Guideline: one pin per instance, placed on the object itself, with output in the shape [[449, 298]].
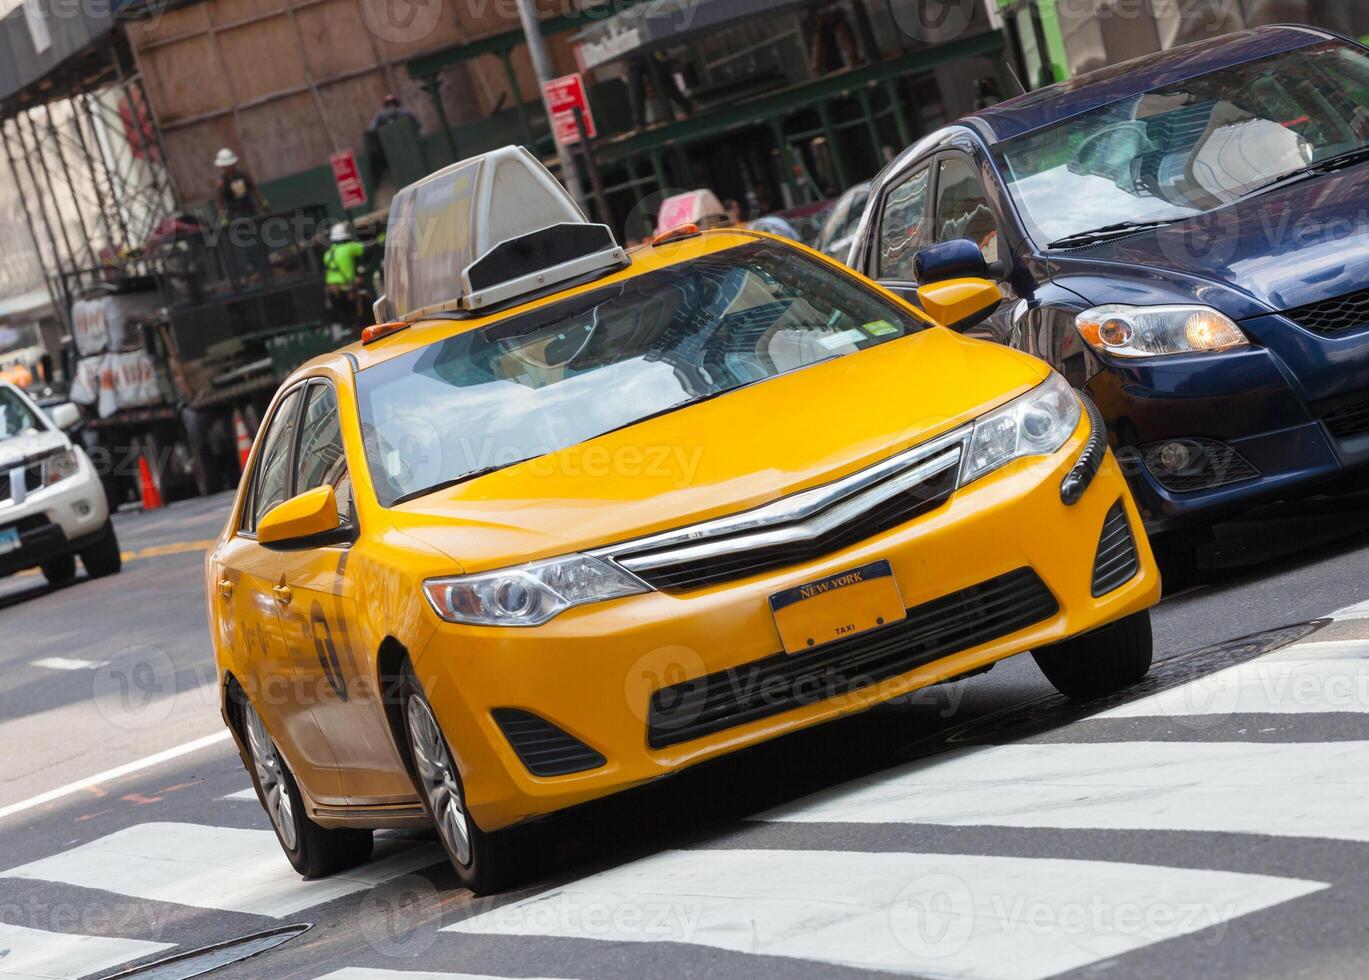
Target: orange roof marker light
[[485, 231], [382, 330], [676, 235]]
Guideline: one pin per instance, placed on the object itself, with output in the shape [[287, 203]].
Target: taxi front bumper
[[637, 688]]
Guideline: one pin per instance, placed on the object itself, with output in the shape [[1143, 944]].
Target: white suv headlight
[[1148, 331], [529, 595], [1036, 424], [60, 466]]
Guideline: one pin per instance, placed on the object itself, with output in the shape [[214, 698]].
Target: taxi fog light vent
[[1149, 331], [529, 595], [1036, 424]]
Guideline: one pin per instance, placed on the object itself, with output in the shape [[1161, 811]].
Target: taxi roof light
[[485, 231]]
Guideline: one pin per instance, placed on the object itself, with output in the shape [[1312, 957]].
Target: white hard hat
[[340, 232], [226, 158]]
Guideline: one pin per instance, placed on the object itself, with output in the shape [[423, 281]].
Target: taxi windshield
[[1192, 146], [603, 360]]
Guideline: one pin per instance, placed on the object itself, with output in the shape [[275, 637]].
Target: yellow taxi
[[576, 518]]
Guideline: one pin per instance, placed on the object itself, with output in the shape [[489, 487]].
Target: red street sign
[[348, 177], [564, 95]]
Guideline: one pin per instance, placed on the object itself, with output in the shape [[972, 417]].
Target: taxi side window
[[962, 207], [272, 480], [322, 460], [902, 228]]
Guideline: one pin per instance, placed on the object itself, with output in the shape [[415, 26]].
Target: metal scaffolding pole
[[70, 259], [71, 186], [59, 298], [112, 201], [541, 66]]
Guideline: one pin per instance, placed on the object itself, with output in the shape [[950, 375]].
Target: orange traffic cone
[[244, 440], [152, 497]]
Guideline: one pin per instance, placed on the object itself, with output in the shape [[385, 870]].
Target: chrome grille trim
[[799, 518]]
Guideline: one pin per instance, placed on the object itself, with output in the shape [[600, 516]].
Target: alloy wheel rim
[[271, 777], [437, 774]]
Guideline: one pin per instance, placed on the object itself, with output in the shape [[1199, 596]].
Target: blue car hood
[[1277, 251]]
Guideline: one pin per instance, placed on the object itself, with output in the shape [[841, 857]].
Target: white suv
[[52, 504]]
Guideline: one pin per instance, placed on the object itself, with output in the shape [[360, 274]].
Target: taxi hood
[[730, 454]]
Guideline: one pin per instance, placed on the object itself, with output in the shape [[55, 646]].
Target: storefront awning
[[661, 23]]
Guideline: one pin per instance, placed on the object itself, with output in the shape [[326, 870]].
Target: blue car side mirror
[[959, 258]]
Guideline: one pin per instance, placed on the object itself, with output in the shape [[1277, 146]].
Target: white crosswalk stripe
[[215, 867], [1303, 790], [242, 794], [363, 973], [36, 954], [941, 915], [1309, 678]]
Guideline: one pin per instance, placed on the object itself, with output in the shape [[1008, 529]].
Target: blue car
[[1186, 238]]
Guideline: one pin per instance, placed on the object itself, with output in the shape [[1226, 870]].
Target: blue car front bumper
[[1292, 414]]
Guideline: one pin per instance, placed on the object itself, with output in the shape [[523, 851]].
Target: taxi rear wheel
[[313, 851], [1101, 662], [483, 862]]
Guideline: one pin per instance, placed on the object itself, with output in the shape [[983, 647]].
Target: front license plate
[[838, 606], [9, 540]]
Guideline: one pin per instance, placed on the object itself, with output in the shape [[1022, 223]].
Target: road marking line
[[1282, 790], [941, 915], [242, 794], [367, 973], [36, 953], [224, 868], [93, 782], [64, 663], [1311, 679], [1358, 611]]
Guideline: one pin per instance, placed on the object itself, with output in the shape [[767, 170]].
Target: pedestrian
[[240, 201], [341, 275]]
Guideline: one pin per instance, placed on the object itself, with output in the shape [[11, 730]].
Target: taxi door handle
[[226, 589], [283, 594]]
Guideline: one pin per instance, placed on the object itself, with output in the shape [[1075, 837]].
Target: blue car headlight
[[1150, 331]]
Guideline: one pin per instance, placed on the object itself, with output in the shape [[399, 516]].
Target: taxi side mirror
[[308, 521], [960, 303]]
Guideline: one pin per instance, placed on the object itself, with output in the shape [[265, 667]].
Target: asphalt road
[[1211, 821]]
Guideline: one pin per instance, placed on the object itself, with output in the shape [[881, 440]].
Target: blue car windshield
[[1192, 146], [543, 381]]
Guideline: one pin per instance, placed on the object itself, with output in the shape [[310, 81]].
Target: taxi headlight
[[529, 595], [1148, 331], [1036, 424], [60, 466]]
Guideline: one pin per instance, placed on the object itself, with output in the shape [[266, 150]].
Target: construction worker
[[341, 275], [391, 110], [239, 201]]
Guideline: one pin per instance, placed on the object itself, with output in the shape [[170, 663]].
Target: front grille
[[1337, 315], [1210, 464], [799, 528], [27, 525], [781, 682], [1116, 562], [545, 749], [1346, 416], [33, 479]]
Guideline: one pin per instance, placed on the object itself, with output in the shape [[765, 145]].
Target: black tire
[[488, 862], [60, 570], [103, 558], [313, 851], [1101, 662]]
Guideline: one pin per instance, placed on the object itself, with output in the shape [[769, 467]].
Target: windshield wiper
[[1331, 164], [1103, 234], [455, 481]]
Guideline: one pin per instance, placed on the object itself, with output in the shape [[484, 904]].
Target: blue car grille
[[1337, 315], [1345, 417]]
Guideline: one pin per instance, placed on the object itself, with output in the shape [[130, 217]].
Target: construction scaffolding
[[86, 158]]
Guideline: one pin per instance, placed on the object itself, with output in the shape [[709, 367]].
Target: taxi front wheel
[[1101, 662], [313, 851], [484, 862]]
